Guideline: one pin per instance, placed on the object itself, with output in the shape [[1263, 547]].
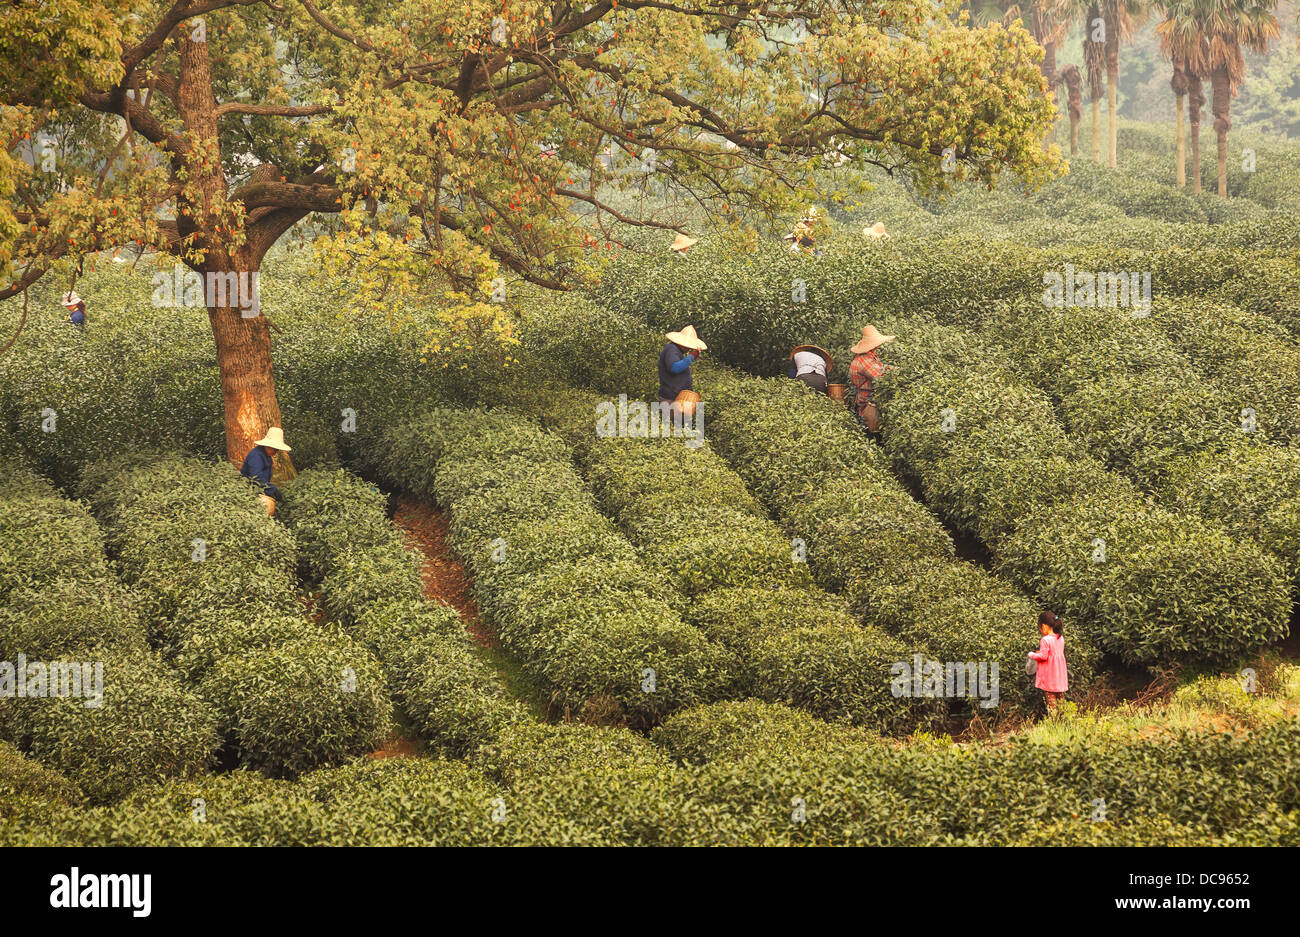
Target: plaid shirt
[[862, 375]]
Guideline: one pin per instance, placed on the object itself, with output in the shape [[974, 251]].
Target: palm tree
[[1048, 22], [1174, 43], [1178, 85], [1195, 101], [1094, 60], [1069, 76], [1211, 35], [1120, 16]]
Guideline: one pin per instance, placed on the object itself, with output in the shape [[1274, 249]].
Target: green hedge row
[[29, 790], [1267, 287], [1253, 357], [733, 773], [806, 459], [562, 588], [216, 578], [691, 516], [62, 604], [753, 306], [1151, 586], [1216, 787], [811, 464], [450, 695], [370, 802], [1134, 400], [136, 377]]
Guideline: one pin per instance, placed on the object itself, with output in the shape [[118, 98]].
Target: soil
[[399, 746], [445, 581], [445, 578]]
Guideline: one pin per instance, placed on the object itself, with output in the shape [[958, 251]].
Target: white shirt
[[809, 362]]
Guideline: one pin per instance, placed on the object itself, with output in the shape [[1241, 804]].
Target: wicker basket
[[686, 401], [836, 391], [267, 502]]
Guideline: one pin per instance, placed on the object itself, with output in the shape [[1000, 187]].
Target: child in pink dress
[[1051, 678]]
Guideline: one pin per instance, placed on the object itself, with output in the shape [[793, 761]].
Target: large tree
[[450, 141]]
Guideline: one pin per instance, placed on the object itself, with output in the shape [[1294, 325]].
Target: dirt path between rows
[[445, 581], [445, 577]]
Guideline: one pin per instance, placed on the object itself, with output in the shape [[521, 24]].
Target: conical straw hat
[[274, 438], [681, 242], [816, 350], [688, 338], [871, 338]]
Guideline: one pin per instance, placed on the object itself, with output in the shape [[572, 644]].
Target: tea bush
[[691, 516], [216, 575], [1168, 586], [314, 701], [1266, 286], [137, 377], [1249, 489], [1130, 397], [67, 615], [43, 536], [235, 808], [588, 638], [148, 728], [221, 633], [733, 729], [866, 535], [30, 794], [191, 533], [405, 802], [1255, 360], [448, 693]]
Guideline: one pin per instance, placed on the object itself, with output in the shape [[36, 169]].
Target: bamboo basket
[[686, 401]]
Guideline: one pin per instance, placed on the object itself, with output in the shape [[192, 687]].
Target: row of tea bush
[[739, 773], [370, 580]]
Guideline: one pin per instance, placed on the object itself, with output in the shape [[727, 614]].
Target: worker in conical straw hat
[[801, 237], [675, 360], [876, 231], [864, 370], [259, 462], [76, 307], [681, 244], [810, 363]]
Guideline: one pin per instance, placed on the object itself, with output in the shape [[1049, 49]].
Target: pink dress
[[1051, 664]]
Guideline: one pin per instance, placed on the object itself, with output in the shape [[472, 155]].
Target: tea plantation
[[691, 640]]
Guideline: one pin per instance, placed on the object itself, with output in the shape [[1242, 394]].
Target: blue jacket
[[257, 467], [78, 317], [674, 371]]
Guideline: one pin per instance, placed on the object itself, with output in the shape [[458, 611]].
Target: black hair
[[1050, 619]]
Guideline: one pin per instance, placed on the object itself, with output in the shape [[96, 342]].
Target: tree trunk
[[1195, 101], [243, 344], [1049, 72], [1073, 82], [1220, 106], [1112, 100], [247, 383], [1180, 158], [1096, 131], [1112, 80]]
